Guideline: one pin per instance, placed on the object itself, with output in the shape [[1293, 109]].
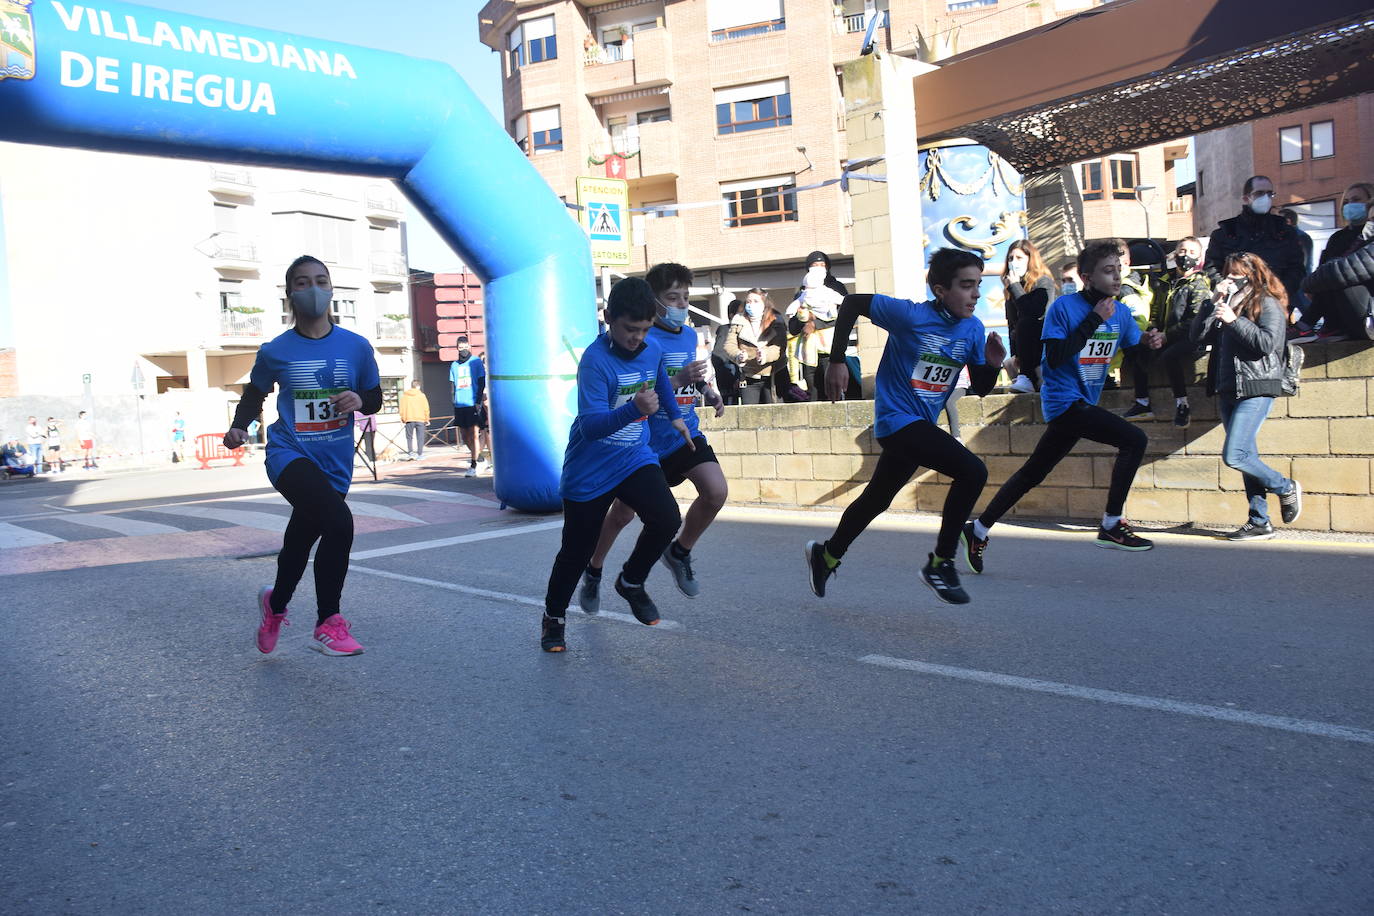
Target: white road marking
[[245, 517], [377, 510], [1159, 704], [458, 539], [120, 525], [14, 536], [437, 496], [504, 596]]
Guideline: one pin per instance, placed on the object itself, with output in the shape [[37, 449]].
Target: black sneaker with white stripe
[[943, 579], [1290, 504], [641, 605]]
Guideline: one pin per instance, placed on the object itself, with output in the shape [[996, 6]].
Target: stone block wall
[[822, 454]]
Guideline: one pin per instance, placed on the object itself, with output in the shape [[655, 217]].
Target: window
[[1316, 216], [729, 19], [1323, 139], [343, 308], [515, 43], [1125, 176], [226, 218], [520, 133], [546, 130], [330, 238], [651, 117], [956, 5], [757, 106], [391, 394], [531, 42], [1091, 180], [1290, 144], [759, 201]]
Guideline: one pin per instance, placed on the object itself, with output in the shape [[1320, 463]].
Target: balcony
[[388, 269], [379, 203], [859, 21], [640, 61], [240, 324], [749, 31], [392, 332], [231, 251], [232, 181]]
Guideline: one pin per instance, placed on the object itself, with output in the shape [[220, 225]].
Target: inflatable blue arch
[[134, 79]]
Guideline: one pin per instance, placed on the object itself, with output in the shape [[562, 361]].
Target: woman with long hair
[[1245, 323], [757, 343], [1029, 289]]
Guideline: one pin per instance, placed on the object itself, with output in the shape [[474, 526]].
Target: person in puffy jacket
[[1344, 284], [1246, 324]]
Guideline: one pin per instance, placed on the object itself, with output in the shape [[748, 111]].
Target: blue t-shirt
[[464, 377], [609, 439], [679, 349], [1082, 377], [921, 361], [307, 372]]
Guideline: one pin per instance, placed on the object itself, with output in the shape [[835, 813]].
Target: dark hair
[[1068, 265], [632, 299], [1263, 284], [303, 259], [462, 338], [1250, 183], [947, 262], [663, 277], [1095, 253], [734, 308]]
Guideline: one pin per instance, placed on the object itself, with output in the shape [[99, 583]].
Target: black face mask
[[1185, 262]]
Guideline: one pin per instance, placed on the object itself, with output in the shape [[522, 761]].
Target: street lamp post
[[1140, 189]]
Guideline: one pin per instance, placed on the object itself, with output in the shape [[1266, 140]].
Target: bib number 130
[[315, 413]]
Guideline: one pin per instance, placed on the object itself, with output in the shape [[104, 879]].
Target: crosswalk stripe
[[131, 527], [245, 517], [14, 536], [376, 510], [437, 496]]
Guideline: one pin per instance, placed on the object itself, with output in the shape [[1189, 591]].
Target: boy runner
[[1082, 334], [620, 382], [468, 378], [928, 343], [670, 284]]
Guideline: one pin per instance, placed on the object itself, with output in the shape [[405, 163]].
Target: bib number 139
[[315, 413], [933, 373]]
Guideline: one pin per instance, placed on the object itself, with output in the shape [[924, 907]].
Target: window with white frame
[[759, 201], [1315, 216], [546, 130], [1290, 144], [729, 19], [1323, 139], [531, 42], [756, 106]]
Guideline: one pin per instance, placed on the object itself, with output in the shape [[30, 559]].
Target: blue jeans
[[1242, 420]]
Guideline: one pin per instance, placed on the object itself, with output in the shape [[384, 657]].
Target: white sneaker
[[1022, 385], [470, 472]]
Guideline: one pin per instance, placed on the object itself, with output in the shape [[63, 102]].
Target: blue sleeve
[[263, 376], [667, 398], [977, 343], [880, 311], [452, 373], [368, 376], [1056, 323], [594, 418], [1130, 331], [479, 381]]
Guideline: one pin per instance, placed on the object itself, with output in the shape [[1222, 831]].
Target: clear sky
[[443, 30]]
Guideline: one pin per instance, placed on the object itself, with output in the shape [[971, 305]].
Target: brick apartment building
[[731, 108]]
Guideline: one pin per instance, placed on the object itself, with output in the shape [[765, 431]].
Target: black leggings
[[915, 445], [645, 491], [318, 513], [1081, 421]]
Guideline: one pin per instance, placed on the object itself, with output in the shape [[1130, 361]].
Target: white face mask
[[1262, 203], [1016, 269], [311, 302], [815, 277]]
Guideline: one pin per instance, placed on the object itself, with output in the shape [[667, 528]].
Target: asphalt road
[[1189, 730]]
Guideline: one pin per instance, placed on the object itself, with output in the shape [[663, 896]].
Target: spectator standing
[[85, 435], [34, 434], [817, 320], [468, 379], [1258, 231], [1245, 324], [758, 339], [1339, 299], [415, 415], [1069, 281], [727, 369], [1029, 289], [367, 426], [1188, 292], [1291, 218], [178, 438], [54, 440]]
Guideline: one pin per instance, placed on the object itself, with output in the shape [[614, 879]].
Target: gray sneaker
[[589, 595], [682, 572]]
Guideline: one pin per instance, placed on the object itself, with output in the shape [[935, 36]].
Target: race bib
[[934, 372], [628, 392], [315, 415], [1100, 349], [688, 396], [464, 381]]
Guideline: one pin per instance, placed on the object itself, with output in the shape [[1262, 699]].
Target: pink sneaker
[[332, 638], [269, 622]]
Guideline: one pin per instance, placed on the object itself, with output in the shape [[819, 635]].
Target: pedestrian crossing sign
[[605, 204]]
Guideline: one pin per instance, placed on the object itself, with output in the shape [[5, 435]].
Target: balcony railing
[[389, 265], [237, 324], [745, 31], [1181, 205], [230, 180], [859, 21], [391, 329], [381, 205], [608, 54], [228, 246]]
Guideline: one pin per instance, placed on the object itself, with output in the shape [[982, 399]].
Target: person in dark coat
[[1340, 296], [1260, 232]]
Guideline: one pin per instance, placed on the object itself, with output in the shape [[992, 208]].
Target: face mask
[[674, 318], [1016, 269], [1070, 287], [1261, 204], [815, 276], [1185, 262], [464, 352], [1355, 212], [311, 302], [751, 309]]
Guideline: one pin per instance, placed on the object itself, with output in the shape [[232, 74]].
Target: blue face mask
[[1070, 287], [673, 317], [1355, 212], [751, 309]]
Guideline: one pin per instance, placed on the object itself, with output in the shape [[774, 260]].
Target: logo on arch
[[16, 40]]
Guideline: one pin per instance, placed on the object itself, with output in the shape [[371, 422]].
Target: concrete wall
[[823, 454]]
